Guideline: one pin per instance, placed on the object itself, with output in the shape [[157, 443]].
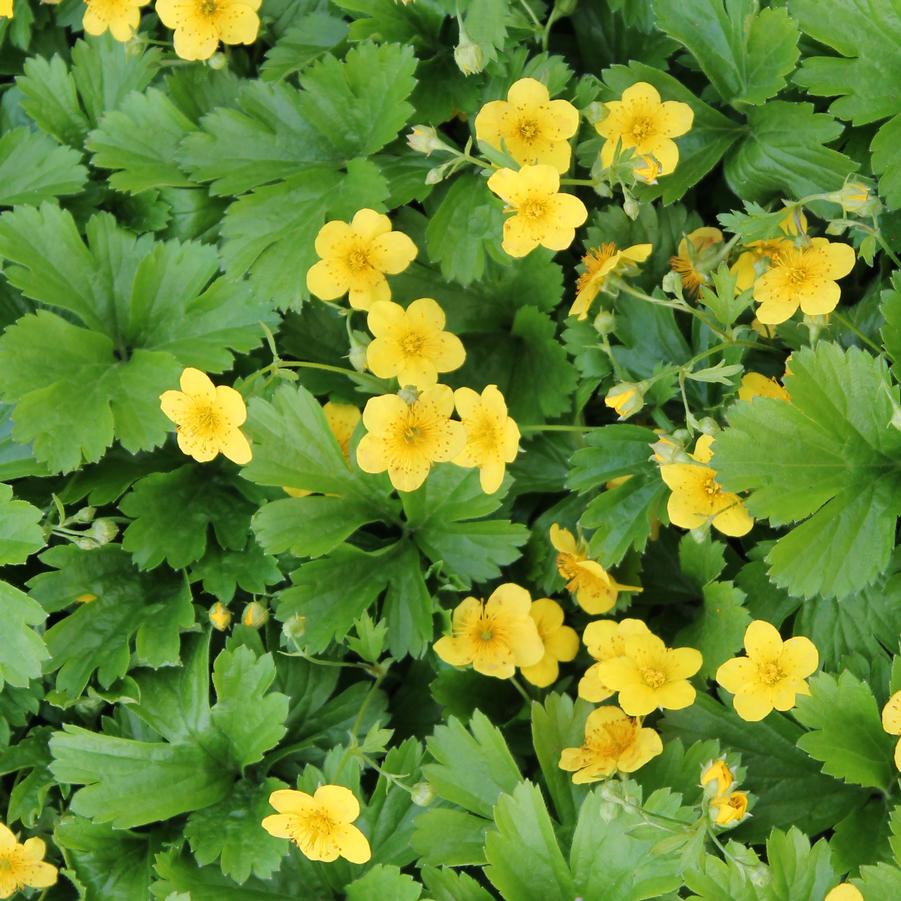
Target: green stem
[[846, 323], [519, 687], [673, 305], [577, 181], [307, 364], [558, 428], [536, 21]]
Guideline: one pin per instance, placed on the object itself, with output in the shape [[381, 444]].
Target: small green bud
[[423, 794], [255, 615], [217, 61]]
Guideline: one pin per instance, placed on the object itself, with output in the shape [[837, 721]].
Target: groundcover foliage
[[450, 449]]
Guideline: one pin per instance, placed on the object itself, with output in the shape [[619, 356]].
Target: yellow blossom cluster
[[728, 807]]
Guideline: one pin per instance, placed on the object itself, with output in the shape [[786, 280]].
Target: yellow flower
[[495, 636], [255, 615], [844, 892], [758, 255], [605, 640], [753, 384], [561, 643], [207, 418], [542, 215], [200, 25], [321, 825], [220, 616], [773, 673], [411, 344], [407, 438], [640, 122], [23, 866], [355, 258], [492, 437], [342, 420], [803, 277], [121, 17], [650, 675], [697, 497], [594, 589], [6, 8], [717, 772], [891, 722], [626, 399], [601, 262], [531, 127], [613, 743], [730, 809], [695, 250]]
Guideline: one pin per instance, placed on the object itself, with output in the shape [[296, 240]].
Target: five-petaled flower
[[697, 497], [803, 277], [594, 589], [772, 674], [561, 643], [492, 437], [694, 256], [321, 824], [757, 256], [891, 722], [200, 25], [121, 17], [754, 384], [541, 215], [356, 256], [649, 675], [730, 809], [531, 127], [614, 743], [411, 344], [495, 636], [639, 121], [207, 418], [605, 640], [600, 263], [23, 865]]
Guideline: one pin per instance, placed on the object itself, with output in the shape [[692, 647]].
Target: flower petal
[[527, 92], [543, 673], [236, 447], [737, 674], [196, 383], [392, 252], [326, 280], [799, 657], [891, 719], [509, 600], [676, 695], [352, 844], [592, 687], [824, 299], [280, 825], [640, 94], [763, 643], [839, 259], [287, 800], [752, 706], [734, 520], [369, 224], [338, 801], [675, 118], [232, 405], [453, 650], [238, 24], [333, 238]]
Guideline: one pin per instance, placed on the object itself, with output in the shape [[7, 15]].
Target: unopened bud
[[708, 425], [717, 778], [565, 7], [672, 283], [85, 514], [217, 61], [294, 627], [626, 398], [424, 139], [422, 794], [357, 353], [220, 616], [408, 394], [103, 531], [854, 197], [469, 56], [255, 615], [439, 173], [631, 207], [605, 322]]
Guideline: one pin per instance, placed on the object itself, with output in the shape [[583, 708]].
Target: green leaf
[[446, 884], [784, 155], [449, 837], [608, 861], [33, 168], [524, 859], [22, 650], [50, 99], [408, 604], [828, 453], [609, 453], [331, 593], [473, 766], [745, 52], [139, 142], [222, 572], [384, 883], [466, 223], [891, 313], [173, 512], [782, 776], [305, 41], [678, 769], [846, 731], [112, 864], [230, 832], [796, 869], [20, 531], [882, 161], [445, 517], [880, 883], [250, 719], [711, 135], [718, 629], [131, 610]]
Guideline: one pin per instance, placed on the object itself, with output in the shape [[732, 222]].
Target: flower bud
[[565, 7], [469, 56], [717, 778], [357, 353], [672, 283], [854, 197], [729, 810], [408, 394], [424, 139], [605, 322], [422, 794], [220, 616], [217, 61], [103, 531], [85, 514], [626, 398], [294, 627], [667, 451], [255, 615], [631, 207], [708, 425], [436, 175]]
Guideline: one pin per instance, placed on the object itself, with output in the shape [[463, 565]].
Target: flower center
[[566, 566], [486, 635], [711, 489], [641, 129], [412, 434], [204, 421], [615, 738], [534, 209], [318, 826], [412, 344], [528, 130], [357, 259], [653, 678], [208, 7], [770, 673], [797, 275]]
